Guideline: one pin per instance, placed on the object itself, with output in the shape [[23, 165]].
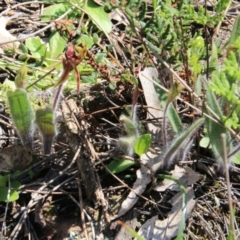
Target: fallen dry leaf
[[151, 97], [167, 229], [119, 16], [143, 178], [139, 186], [6, 36]]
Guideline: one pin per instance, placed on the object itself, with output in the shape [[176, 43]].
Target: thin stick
[[81, 207], [231, 225], [36, 198], [6, 208]]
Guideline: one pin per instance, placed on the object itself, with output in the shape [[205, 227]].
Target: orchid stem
[[57, 97]]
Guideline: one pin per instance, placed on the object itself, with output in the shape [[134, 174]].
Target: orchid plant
[[20, 105]]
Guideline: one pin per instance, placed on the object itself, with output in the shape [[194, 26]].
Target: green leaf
[[221, 5], [100, 57], [142, 144], [45, 122], [172, 114], [57, 45], [173, 92], [181, 142], [3, 180], [36, 46], [214, 57], [234, 155], [126, 144], [128, 125], [205, 142], [22, 114], [235, 33], [92, 79], [22, 57], [21, 76], [215, 129], [98, 16], [23, 48], [86, 41], [235, 158], [119, 165], [54, 11], [155, 4], [13, 196]]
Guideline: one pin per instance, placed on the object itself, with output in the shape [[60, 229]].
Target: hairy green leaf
[[21, 76], [22, 114], [172, 114], [215, 129], [179, 146], [182, 141], [128, 125], [142, 144], [126, 144], [45, 122]]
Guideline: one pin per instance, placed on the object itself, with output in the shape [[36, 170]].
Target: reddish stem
[[63, 78]]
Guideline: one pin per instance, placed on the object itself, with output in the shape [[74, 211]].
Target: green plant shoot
[[142, 144], [22, 115], [45, 122], [21, 76]]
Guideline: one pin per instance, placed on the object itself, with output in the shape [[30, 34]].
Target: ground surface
[[69, 194]]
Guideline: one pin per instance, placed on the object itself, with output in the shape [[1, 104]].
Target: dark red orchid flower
[[73, 56]]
